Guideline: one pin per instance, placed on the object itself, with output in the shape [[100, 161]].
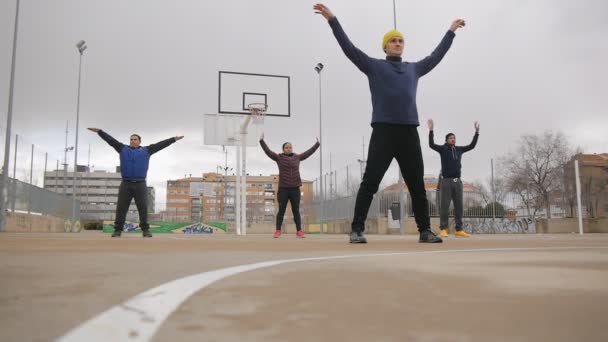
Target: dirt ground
[[486, 288]]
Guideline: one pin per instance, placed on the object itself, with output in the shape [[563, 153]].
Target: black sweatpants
[[127, 191], [293, 195], [401, 142]]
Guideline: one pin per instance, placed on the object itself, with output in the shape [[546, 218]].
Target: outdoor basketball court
[[487, 288]]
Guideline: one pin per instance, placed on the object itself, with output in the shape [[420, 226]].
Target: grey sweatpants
[[450, 190]]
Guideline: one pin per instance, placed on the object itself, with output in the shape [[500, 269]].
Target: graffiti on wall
[[499, 225]]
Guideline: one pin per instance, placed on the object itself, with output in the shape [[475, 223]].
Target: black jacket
[[451, 156]]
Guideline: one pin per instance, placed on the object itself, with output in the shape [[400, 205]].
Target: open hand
[[94, 129], [431, 124], [476, 126], [323, 10], [179, 137]]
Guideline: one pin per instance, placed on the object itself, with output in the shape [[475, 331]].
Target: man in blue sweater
[[393, 84], [134, 161], [450, 186]]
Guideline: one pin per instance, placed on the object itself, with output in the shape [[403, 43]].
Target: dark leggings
[[292, 195]]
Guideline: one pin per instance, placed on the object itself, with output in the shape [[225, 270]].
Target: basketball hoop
[[258, 111]]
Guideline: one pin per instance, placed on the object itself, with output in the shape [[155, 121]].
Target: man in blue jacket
[[450, 187], [134, 161], [393, 85]]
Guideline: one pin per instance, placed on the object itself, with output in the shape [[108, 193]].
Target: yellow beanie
[[390, 34]]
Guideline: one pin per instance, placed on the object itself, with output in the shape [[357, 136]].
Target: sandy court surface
[[491, 287]]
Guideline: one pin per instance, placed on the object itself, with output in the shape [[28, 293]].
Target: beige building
[[212, 198]]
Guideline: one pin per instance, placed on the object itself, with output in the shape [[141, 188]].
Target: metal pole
[[237, 186], [224, 185], [29, 188], [15, 157], [321, 208], [325, 189], [394, 15], [15, 174], [65, 161], [578, 198], [76, 143], [244, 184], [493, 192], [9, 122], [331, 177]]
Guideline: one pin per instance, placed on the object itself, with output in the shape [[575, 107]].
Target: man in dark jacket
[[451, 187], [393, 85], [134, 162]]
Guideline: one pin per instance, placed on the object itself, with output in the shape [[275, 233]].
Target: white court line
[[139, 318]]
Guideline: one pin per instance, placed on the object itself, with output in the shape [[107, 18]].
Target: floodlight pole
[[9, 122]]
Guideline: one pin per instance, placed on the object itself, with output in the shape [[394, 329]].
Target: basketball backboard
[[237, 90]]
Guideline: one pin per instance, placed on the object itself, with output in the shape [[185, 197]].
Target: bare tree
[[500, 189], [537, 166], [525, 191]]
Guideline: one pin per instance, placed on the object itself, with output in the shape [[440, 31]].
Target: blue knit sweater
[[392, 83]]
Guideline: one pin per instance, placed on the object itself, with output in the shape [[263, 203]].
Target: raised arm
[[310, 151], [162, 144], [474, 142], [358, 57], [108, 138], [267, 150], [432, 136], [428, 63]]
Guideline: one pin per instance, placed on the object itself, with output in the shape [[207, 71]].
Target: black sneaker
[[427, 236], [146, 234], [357, 237], [116, 233]]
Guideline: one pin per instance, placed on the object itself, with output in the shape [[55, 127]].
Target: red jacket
[[289, 165]]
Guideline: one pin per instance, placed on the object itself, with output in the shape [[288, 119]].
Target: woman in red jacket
[[289, 181]]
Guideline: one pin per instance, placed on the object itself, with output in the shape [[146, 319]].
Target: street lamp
[[81, 46], [318, 69], [65, 168]]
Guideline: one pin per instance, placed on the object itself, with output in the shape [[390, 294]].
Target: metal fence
[[475, 205], [27, 198], [28, 163]]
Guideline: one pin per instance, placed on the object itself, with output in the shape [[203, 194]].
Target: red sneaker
[[300, 234], [277, 234]]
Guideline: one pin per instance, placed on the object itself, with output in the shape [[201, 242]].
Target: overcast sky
[[151, 67]]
